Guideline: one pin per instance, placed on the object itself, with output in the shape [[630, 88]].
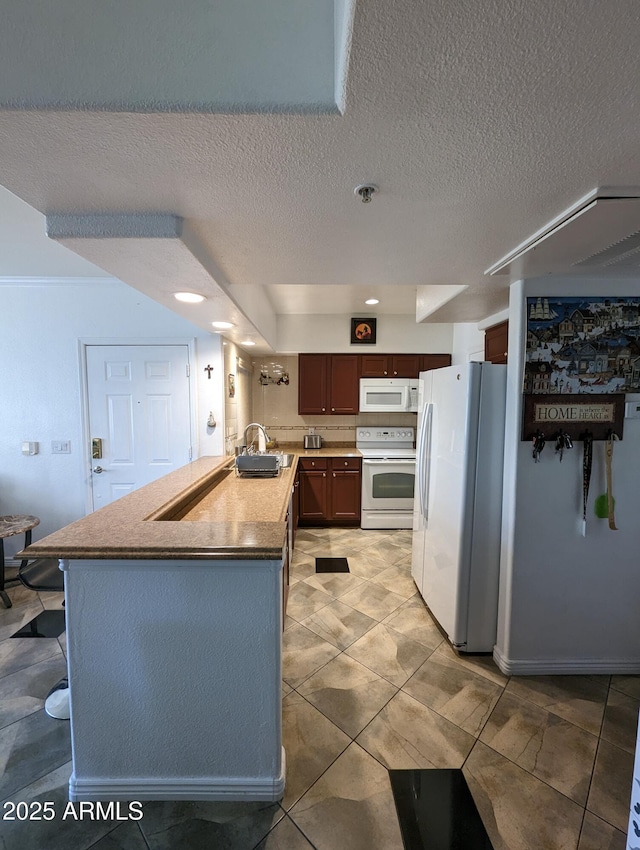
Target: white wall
[[331, 333], [237, 407], [40, 326], [568, 604]]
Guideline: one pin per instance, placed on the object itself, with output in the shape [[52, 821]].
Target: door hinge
[[188, 367], [190, 453]]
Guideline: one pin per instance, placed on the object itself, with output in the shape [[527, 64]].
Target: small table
[[10, 525]]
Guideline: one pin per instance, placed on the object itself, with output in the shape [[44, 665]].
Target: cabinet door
[[344, 390], [374, 366], [295, 506], [495, 343], [345, 488], [405, 365], [434, 361], [313, 383], [313, 495]]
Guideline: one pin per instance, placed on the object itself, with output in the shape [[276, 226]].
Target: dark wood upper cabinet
[[496, 341], [344, 387], [401, 365], [328, 383], [434, 361], [313, 383]]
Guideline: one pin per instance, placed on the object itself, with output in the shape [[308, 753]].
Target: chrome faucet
[[260, 428]]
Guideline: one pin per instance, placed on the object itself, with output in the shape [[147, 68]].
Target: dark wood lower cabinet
[[329, 491]]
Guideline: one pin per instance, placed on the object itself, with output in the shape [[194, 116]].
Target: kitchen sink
[[285, 460]]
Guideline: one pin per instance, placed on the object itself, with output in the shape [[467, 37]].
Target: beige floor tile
[[373, 600], [389, 653], [336, 584], [620, 725], [348, 693], [550, 748], [285, 836], [22, 652], [302, 566], [311, 743], [414, 621], [51, 601], [483, 665], [305, 600], [519, 811], [307, 539], [13, 619], [386, 551], [629, 685], [339, 624], [366, 566], [396, 580], [598, 835], [578, 699], [610, 792], [24, 692], [332, 549], [303, 652], [351, 807], [407, 734], [463, 697]]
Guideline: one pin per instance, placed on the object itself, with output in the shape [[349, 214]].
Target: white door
[[139, 410]]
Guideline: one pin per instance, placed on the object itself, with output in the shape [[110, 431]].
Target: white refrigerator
[[458, 500]]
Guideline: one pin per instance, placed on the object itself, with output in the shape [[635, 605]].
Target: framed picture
[[573, 414], [231, 383], [363, 331]]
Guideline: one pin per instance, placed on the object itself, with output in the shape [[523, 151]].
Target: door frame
[[86, 342]]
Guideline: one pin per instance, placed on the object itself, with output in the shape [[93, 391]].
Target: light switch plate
[[60, 447], [29, 448]]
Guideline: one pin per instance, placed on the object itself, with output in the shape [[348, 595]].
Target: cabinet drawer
[[349, 463], [313, 463]]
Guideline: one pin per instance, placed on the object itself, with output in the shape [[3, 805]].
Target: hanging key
[[538, 445]]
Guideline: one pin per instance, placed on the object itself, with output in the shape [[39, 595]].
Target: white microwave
[[389, 395]]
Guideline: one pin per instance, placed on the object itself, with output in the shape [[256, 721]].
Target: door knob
[[98, 469]]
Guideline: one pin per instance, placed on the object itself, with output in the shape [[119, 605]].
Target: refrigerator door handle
[[424, 465]]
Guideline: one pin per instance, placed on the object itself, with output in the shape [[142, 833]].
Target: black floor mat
[[49, 624], [437, 812], [332, 565]]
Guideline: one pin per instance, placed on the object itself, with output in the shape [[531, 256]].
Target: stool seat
[[42, 574]]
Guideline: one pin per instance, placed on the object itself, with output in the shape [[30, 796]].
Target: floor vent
[[332, 565]]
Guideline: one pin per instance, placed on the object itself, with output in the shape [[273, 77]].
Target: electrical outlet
[[312, 431]]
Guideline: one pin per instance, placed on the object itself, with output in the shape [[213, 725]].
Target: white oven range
[[388, 476]]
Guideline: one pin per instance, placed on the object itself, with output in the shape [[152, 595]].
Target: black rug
[[436, 811], [49, 624], [332, 565]]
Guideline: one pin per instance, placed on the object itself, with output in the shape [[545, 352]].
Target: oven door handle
[[388, 461]]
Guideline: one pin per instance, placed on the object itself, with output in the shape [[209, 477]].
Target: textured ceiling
[[478, 122]]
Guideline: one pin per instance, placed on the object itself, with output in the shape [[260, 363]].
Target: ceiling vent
[[599, 236]]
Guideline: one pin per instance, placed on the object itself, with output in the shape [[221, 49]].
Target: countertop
[[202, 510]]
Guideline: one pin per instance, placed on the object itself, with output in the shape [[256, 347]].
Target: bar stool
[[44, 574], [10, 525]]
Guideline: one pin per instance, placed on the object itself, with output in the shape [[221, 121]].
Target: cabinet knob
[[323, 409], [313, 463], [346, 463], [334, 475], [333, 410], [385, 372], [324, 474], [394, 372]]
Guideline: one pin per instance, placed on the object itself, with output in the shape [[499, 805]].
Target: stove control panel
[[375, 434]]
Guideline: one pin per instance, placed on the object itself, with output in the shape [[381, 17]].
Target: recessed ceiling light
[[189, 297], [222, 325], [247, 342], [372, 301]]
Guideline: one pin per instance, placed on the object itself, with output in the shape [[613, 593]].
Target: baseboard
[[267, 789], [565, 666]]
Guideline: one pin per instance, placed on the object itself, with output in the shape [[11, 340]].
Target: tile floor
[[368, 684]]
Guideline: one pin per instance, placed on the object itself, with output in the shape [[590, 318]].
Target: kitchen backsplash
[[275, 404]]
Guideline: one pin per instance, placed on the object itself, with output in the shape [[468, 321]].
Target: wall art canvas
[[363, 331], [582, 345]]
